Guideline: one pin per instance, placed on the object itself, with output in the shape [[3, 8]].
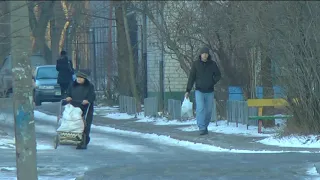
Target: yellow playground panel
[[260, 103]]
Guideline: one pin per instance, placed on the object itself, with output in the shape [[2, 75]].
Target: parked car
[[6, 72], [46, 88]]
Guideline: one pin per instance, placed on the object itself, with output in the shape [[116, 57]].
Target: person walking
[[82, 90], [65, 68], [205, 74]]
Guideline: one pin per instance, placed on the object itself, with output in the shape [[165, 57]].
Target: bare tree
[[40, 13]]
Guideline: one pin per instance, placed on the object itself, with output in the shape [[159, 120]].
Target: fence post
[[177, 106], [246, 112], [228, 111], [121, 108], [170, 108], [214, 112], [146, 108]]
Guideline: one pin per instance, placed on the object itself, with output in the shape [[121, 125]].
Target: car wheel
[[37, 101]]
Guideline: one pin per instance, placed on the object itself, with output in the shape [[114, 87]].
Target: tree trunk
[[266, 79], [39, 27], [133, 85], [25, 137], [122, 50]]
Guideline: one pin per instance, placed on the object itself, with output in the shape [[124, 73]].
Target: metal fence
[[90, 48], [253, 111], [239, 112], [127, 105], [174, 109], [151, 106]]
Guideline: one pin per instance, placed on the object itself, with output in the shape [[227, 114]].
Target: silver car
[[46, 88]]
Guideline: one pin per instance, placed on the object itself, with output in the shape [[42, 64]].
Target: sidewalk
[[225, 141], [216, 139]]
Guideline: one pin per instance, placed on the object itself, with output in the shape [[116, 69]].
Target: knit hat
[[204, 50], [82, 74]]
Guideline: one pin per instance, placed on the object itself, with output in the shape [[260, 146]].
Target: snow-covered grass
[[186, 144], [311, 141]]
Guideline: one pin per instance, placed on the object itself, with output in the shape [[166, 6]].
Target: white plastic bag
[[71, 120], [186, 108]]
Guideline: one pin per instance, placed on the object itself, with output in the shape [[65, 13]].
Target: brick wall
[[175, 79]]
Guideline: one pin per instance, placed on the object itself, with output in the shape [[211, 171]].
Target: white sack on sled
[[71, 120]]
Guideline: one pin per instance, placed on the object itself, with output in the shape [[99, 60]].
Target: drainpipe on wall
[[144, 47], [161, 69], [110, 68]]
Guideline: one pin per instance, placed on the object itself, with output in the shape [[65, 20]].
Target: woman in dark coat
[[80, 93], [65, 68]]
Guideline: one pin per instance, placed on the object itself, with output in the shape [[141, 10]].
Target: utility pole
[[22, 93]]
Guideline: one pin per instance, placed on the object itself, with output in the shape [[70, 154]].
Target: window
[[47, 73]]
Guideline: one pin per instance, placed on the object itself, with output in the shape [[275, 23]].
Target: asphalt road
[[118, 156]]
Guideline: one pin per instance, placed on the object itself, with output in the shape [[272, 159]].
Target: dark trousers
[[87, 129], [64, 88], [89, 119]]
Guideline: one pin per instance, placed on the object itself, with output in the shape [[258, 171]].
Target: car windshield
[[47, 73]]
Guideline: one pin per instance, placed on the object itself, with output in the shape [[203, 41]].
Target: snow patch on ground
[[9, 143], [225, 128], [313, 172], [174, 142], [120, 116], [311, 141], [142, 118], [43, 116], [6, 118], [165, 121], [106, 108]]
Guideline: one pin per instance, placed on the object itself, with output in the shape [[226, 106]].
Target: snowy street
[[119, 154]]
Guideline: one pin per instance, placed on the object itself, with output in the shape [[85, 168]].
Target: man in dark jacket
[[65, 68], [205, 74], [80, 93]]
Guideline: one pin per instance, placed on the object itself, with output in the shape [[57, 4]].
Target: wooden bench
[[260, 103]]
